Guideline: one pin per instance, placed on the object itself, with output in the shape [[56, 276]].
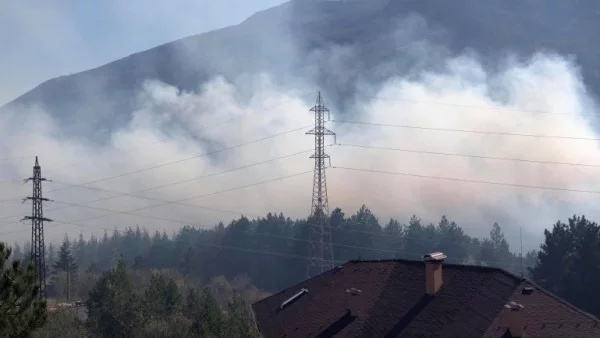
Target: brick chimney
[[513, 319], [433, 272]]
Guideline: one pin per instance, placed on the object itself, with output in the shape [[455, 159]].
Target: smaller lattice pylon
[[38, 248]]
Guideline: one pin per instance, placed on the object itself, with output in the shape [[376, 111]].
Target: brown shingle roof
[[392, 303]]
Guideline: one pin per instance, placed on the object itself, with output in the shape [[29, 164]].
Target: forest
[[201, 282]]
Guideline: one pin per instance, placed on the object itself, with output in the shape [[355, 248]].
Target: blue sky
[[45, 39]]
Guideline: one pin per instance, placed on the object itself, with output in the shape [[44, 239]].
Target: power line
[[291, 239], [514, 110], [225, 123], [119, 194], [8, 159], [131, 194], [466, 180], [193, 197], [184, 159], [377, 233], [468, 131], [400, 236], [213, 245], [388, 235], [113, 212], [173, 162], [469, 156], [163, 202]]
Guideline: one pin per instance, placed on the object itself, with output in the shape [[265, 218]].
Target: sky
[[46, 39]]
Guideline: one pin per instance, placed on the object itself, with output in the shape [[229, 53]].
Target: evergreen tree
[[79, 250], [113, 305], [417, 241], [63, 324], [17, 252], [271, 249], [568, 262], [239, 319], [65, 260], [193, 303], [495, 250], [211, 321], [50, 258], [162, 297], [21, 309], [64, 276], [452, 240]]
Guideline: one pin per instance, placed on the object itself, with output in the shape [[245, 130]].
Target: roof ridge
[[562, 301], [457, 265]]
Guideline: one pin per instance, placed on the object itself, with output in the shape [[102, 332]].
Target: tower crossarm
[[34, 178], [321, 131], [37, 198], [36, 218]]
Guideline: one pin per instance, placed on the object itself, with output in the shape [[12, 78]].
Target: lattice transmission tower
[[38, 248], [320, 250]]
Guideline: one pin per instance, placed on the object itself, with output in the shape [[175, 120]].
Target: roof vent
[[513, 306], [293, 298], [353, 291], [527, 290], [433, 272]]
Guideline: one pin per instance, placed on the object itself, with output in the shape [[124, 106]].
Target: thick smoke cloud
[[176, 126], [199, 156]]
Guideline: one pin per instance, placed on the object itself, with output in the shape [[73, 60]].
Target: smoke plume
[[212, 154]]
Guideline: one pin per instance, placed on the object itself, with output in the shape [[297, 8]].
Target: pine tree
[[65, 271], [78, 251], [21, 309], [50, 258], [17, 252], [192, 303], [568, 261], [162, 297], [113, 305], [239, 319], [208, 318]]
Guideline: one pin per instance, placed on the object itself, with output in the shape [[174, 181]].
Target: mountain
[[339, 46]]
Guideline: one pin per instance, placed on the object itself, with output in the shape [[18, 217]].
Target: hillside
[[337, 45]]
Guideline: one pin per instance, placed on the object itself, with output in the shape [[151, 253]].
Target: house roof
[[387, 299]]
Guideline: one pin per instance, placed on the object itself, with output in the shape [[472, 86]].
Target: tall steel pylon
[[320, 250], [38, 248]]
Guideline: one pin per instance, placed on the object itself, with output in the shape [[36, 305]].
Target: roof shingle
[[387, 299]]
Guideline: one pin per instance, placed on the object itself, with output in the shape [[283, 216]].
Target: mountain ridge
[[300, 39]]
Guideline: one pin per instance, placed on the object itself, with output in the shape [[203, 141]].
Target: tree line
[[251, 257], [272, 250]]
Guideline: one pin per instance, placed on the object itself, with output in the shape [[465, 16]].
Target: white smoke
[[179, 126]]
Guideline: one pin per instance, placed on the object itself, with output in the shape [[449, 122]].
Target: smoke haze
[[158, 154]]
